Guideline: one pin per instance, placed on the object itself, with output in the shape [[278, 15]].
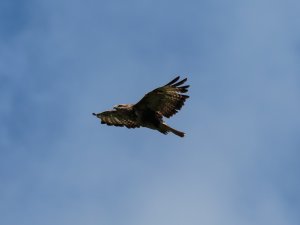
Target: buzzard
[[162, 102]]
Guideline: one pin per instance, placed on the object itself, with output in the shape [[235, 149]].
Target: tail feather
[[165, 129]]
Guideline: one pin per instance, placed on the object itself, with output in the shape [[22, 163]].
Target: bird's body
[[162, 102]]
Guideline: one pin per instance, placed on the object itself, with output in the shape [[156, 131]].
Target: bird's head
[[121, 106]]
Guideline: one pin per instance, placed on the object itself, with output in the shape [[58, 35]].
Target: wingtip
[[173, 81], [94, 114], [179, 82]]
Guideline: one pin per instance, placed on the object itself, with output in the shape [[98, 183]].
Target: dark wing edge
[[168, 99], [173, 81], [175, 98], [118, 119]]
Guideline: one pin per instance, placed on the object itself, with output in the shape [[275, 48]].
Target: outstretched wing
[[118, 118], [167, 99]]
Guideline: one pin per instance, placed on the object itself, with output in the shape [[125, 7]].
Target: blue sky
[[61, 60]]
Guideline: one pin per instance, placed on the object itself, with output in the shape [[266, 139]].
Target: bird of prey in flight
[[162, 102]]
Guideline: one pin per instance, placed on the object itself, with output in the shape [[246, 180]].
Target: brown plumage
[[162, 102]]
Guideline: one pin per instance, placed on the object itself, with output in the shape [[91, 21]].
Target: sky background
[[61, 60]]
